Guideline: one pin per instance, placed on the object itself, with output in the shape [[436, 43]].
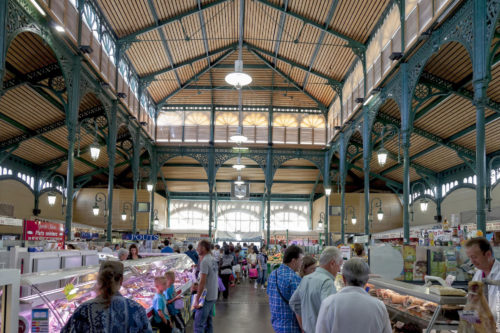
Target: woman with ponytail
[[109, 311]]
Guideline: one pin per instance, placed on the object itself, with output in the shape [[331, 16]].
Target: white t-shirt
[[252, 258], [106, 250], [493, 291]]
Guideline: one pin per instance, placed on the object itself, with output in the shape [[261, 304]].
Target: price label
[[470, 316], [40, 320]]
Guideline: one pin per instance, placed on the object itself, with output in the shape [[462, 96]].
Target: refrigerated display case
[[76, 285], [423, 306], [9, 300]]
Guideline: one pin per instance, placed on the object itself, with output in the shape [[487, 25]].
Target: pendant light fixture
[[238, 166], [239, 79]]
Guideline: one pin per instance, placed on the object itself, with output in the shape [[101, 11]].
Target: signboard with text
[[138, 237], [42, 230]]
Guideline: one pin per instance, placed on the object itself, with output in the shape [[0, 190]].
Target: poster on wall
[[44, 231]]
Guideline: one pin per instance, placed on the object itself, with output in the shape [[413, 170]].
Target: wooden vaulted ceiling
[[174, 43]]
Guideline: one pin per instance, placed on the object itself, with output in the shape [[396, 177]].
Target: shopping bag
[[221, 285], [253, 273], [179, 304]]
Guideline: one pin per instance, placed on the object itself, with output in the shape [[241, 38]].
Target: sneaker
[[263, 287], [255, 285], [238, 282]]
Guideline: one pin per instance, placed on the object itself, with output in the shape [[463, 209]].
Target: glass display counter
[[77, 286]]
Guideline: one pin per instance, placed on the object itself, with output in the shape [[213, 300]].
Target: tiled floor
[[246, 310]]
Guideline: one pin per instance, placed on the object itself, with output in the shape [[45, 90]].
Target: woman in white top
[[251, 257]]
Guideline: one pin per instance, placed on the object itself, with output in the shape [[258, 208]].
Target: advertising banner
[[138, 237], [41, 230]]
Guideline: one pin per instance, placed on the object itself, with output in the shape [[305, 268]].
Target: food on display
[[138, 284]]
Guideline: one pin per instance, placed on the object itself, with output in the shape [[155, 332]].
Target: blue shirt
[[167, 249], [169, 295], [193, 255], [123, 315], [159, 304], [282, 317]]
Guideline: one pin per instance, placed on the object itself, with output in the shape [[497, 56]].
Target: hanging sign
[[41, 230], [346, 252], [40, 321], [138, 237]]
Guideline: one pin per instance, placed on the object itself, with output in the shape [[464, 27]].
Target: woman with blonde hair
[[109, 311]]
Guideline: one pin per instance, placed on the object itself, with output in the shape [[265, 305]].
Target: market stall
[[74, 286]]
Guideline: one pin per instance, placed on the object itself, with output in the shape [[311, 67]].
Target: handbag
[[253, 273]]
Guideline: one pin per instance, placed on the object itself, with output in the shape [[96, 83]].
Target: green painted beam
[[162, 102], [31, 134], [286, 77], [193, 165], [246, 108], [46, 72], [375, 175], [152, 76], [190, 180], [350, 41], [429, 136], [161, 23], [291, 63], [257, 88]]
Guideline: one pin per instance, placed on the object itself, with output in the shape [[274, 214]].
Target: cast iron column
[[153, 179], [343, 171], [72, 124], [3, 39], [135, 175], [326, 184], [406, 133], [112, 130], [367, 156], [480, 81]]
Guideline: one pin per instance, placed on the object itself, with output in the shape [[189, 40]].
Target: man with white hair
[[314, 288], [352, 309], [122, 254]]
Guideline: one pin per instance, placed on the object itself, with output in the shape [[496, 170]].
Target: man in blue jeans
[[208, 281]]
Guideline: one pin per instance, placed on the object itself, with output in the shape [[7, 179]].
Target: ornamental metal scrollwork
[[57, 84], [493, 10]]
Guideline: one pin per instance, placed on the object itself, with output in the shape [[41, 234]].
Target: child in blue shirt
[[171, 297], [161, 319]]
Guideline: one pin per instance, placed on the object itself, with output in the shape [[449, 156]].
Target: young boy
[[171, 297], [161, 319]]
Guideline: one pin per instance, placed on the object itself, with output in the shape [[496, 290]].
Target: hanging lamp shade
[[239, 137], [95, 151], [95, 209], [380, 214], [51, 198], [382, 156], [238, 166], [237, 78], [424, 205], [124, 216]]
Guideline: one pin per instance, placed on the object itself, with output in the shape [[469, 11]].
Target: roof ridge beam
[[352, 43], [293, 64], [161, 23]]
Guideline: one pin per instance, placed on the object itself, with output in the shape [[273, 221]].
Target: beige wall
[[85, 200], [393, 212], [318, 208]]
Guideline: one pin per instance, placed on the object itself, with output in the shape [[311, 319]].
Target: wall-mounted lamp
[[100, 197], [126, 206], [353, 218]]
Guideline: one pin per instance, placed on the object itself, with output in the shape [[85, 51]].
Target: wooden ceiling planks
[[261, 25], [27, 107], [449, 117], [451, 63], [167, 9], [163, 86], [492, 130], [60, 136], [333, 48], [296, 175], [37, 151], [179, 186], [221, 24], [397, 175], [439, 159], [357, 19], [125, 16], [28, 52], [494, 86], [228, 173], [292, 189], [314, 10], [391, 108], [89, 101], [184, 39], [8, 131], [148, 55]]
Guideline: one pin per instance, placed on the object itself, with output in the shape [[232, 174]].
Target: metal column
[[327, 234], [367, 156], [326, 184], [3, 39], [480, 81], [210, 212], [343, 172], [405, 127], [136, 176], [112, 131], [72, 124], [153, 179]]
